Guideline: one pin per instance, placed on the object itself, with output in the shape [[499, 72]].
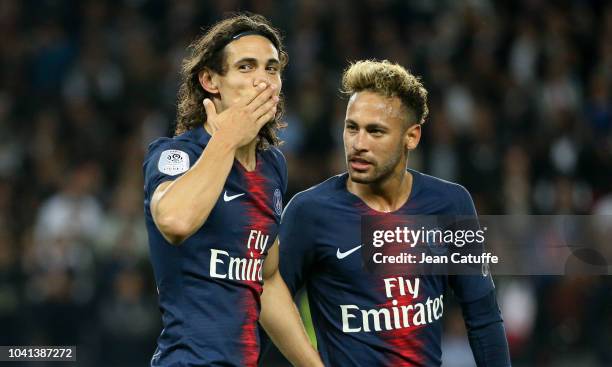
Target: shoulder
[[180, 142], [313, 197], [276, 155], [447, 190], [169, 157], [276, 158], [439, 185]]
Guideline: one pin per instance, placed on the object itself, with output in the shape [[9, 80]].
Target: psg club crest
[[278, 202]]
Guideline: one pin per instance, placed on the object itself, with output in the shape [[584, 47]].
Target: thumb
[[209, 107]]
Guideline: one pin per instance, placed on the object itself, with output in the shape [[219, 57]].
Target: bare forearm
[[281, 320], [185, 204]]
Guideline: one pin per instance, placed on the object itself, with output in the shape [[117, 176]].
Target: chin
[[360, 178]]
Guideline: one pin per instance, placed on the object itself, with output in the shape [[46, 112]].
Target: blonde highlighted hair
[[389, 80]]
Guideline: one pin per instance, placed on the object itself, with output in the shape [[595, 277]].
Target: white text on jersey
[[224, 266]]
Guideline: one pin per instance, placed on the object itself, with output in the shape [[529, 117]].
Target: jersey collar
[[414, 192]]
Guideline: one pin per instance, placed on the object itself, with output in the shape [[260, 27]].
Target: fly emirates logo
[[396, 316], [224, 266]]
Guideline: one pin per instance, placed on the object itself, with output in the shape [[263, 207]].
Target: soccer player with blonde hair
[[370, 318]]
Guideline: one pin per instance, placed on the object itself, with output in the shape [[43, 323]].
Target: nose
[[265, 80], [263, 76], [360, 141]]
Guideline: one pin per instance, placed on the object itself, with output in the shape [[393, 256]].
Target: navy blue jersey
[[362, 318], [210, 285]]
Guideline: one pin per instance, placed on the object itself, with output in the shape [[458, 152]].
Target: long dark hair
[[207, 52]]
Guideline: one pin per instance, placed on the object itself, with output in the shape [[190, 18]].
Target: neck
[[247, 156], [387, 195]]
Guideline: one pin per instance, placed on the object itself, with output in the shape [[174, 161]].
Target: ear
[[208, 81], [412, 136]]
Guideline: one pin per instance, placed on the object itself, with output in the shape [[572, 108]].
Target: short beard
[[380, 173]]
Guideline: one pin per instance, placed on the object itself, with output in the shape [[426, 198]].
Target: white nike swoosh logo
[[227, 198], [341, 255]]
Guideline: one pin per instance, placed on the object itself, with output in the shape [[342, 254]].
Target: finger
[[211, 110], [265, 118], [262, 98], [264, 108], [253, 93]]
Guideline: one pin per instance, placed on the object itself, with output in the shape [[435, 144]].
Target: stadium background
[[520, 114]]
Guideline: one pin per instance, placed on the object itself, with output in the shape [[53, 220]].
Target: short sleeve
[[468, 288], [166, 160], [296, 245]]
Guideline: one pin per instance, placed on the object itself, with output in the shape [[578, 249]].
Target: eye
[[272, 69], [351, 128], [377, 132], [245, 67]]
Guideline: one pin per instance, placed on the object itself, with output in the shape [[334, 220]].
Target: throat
[[385, 198], [247, 156]]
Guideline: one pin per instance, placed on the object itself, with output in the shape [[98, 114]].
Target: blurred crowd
[[521, 114]]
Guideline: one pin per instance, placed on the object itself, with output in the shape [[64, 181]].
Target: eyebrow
[[369, 125], [254, 61]]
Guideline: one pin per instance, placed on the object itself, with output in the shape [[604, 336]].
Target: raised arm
[[182, 206]]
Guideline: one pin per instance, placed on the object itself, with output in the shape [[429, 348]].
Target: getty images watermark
[[503, 245]]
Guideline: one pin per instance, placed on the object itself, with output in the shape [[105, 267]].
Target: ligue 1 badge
[[278, 202], [173, 162]]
